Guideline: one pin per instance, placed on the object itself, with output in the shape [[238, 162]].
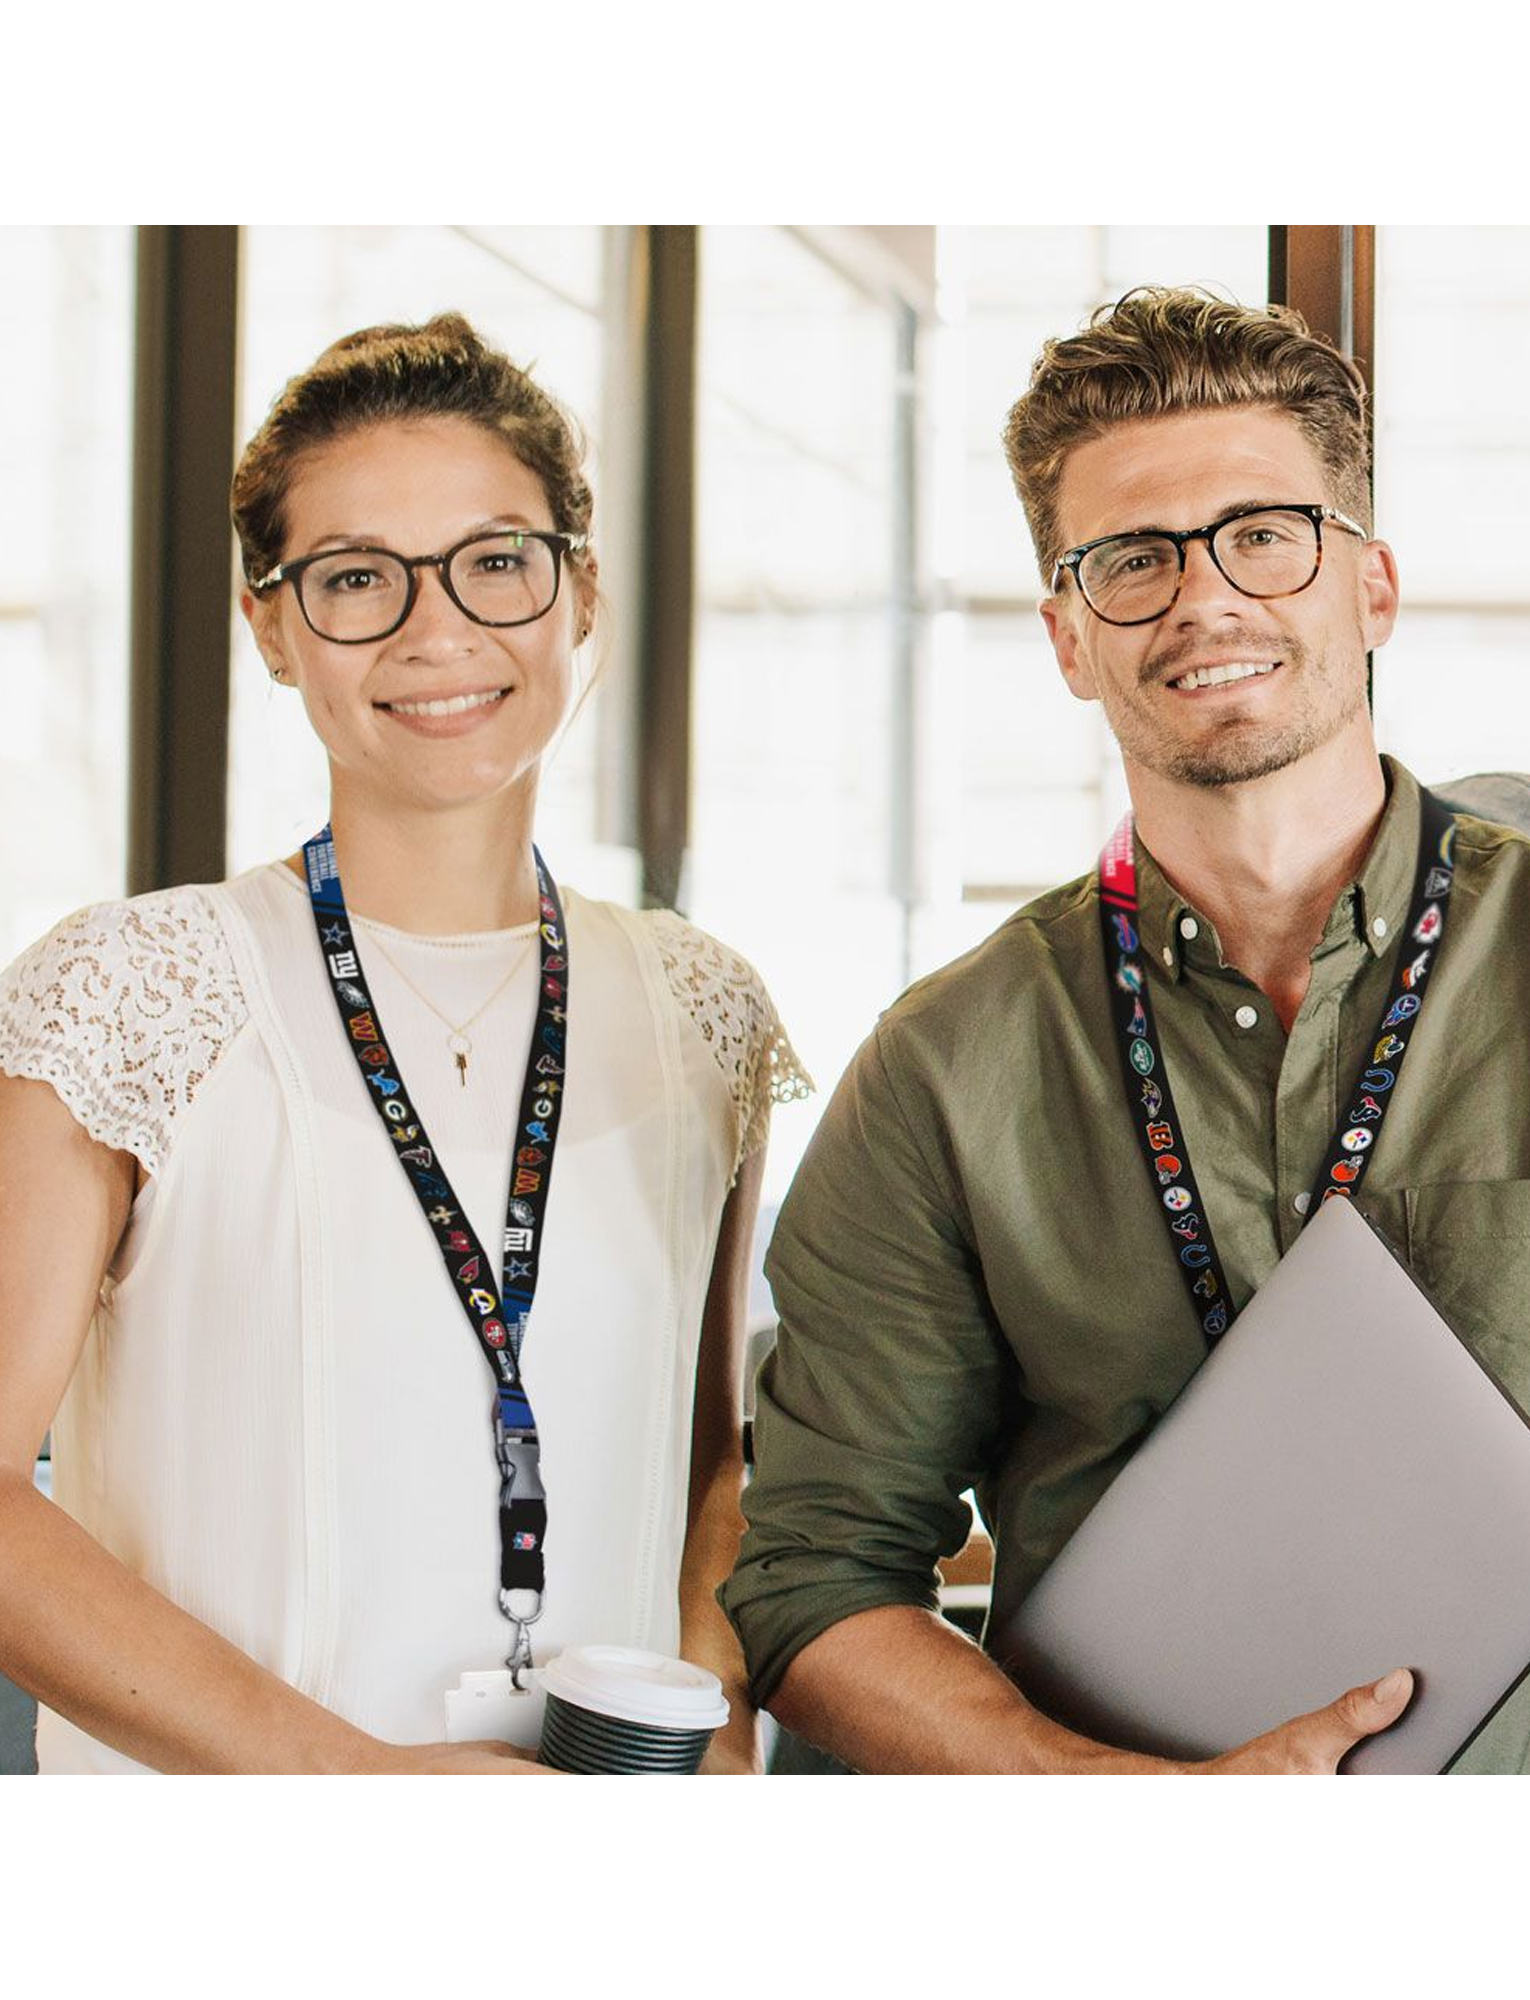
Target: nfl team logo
[[1141, 1057], [1177, 1197], [1428, 926], [523, 1542]]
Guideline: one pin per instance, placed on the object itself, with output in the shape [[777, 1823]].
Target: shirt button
[[1247, 1017], [1189, 928], [1302, 1202], [1378, 927], [1168, 956]]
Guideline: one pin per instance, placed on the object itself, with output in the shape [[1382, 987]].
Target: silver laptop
[[1339, 1490]]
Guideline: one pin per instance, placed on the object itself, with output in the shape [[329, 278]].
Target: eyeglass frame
[[1317, 514], [562, 546]]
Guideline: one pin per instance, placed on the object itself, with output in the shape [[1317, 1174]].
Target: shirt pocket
[[1469, 1247]]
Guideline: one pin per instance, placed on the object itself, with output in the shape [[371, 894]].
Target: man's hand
[[1314, 1743]]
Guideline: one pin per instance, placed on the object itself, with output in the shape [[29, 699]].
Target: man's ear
[[265, 627], [1057, 614], [1378, 594]]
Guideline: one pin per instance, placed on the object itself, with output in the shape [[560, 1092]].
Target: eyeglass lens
[[353, 594], [1134, 578]]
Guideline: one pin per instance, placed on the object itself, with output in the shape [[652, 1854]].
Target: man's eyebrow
[[1253, 506]]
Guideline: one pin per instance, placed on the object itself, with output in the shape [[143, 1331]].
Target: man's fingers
[[1328, 1732]]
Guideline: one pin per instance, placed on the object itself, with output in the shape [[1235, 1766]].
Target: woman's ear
[[586, 599], [265, 628]]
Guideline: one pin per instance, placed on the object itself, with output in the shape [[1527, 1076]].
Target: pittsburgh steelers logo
[[1176, 1197], [1357, 1138]]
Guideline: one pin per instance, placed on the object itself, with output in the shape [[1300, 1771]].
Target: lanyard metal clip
[[523, 1608]]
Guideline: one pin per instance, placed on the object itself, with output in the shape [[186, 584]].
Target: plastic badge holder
[[485, 1708]]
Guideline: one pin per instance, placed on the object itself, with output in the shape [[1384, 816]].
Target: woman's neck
[[437, 873]]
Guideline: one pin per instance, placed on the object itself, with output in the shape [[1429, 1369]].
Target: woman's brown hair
[[387, 374]]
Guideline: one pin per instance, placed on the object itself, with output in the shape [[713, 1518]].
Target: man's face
[[1182, 472]]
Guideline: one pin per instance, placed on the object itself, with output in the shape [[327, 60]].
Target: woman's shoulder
[[723, 996], [124, 1007]]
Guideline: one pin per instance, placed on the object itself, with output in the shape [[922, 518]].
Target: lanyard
[[498, 1315], [1159, 1131]]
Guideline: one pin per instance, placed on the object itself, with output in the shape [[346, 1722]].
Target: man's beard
[[1243, 751]]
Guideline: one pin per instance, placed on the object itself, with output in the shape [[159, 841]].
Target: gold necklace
[[458, 1040]]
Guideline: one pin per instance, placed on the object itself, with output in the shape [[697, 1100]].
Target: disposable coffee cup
[[620, 1709]]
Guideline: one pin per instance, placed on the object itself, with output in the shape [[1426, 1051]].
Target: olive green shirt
[[975, 1286]]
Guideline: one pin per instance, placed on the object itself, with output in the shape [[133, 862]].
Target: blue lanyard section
[[498, 1312], [1154, 1115]]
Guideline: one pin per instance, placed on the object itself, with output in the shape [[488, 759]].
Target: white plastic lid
[[630, 1685]]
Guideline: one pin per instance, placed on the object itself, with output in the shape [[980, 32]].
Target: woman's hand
[[454, 1760]]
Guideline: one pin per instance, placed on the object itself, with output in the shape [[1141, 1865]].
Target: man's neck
[[1265, 860], [436, 872]]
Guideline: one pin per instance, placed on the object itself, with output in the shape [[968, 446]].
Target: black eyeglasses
[[1262, 551], [357, 594]]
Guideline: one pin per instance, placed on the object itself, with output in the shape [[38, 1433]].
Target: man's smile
[[1222, 676]]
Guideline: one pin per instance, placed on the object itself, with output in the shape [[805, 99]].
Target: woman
[[268, 1258]]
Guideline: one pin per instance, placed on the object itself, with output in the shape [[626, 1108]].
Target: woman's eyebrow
[[354, 538]]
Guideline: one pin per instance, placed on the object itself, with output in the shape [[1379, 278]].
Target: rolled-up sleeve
[[890, 1381]]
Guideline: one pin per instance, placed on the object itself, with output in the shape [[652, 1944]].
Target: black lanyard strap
[[1154, 1115], [497, 1312]]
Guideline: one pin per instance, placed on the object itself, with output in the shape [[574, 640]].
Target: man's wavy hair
[[1162, 350]]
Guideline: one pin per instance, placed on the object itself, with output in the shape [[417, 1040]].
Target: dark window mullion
[[186, 358]]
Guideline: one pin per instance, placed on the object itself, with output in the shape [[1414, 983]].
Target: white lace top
[[280, 1419]]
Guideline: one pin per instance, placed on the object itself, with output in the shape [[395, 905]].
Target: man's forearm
[[898, 1689]]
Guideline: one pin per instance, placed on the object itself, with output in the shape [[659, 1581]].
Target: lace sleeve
[[124, 1009], [727, 1000]]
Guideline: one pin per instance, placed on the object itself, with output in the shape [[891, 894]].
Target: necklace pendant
[[462, 1068], [461, 1048]]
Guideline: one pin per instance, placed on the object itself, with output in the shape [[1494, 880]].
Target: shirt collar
[[1372, 908]]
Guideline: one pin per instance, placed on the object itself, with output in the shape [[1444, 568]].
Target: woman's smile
[[451, 714]]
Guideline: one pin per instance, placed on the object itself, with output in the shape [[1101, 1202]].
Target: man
[[973, 1279]]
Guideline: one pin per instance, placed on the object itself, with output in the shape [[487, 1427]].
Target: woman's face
[[419, 488]]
